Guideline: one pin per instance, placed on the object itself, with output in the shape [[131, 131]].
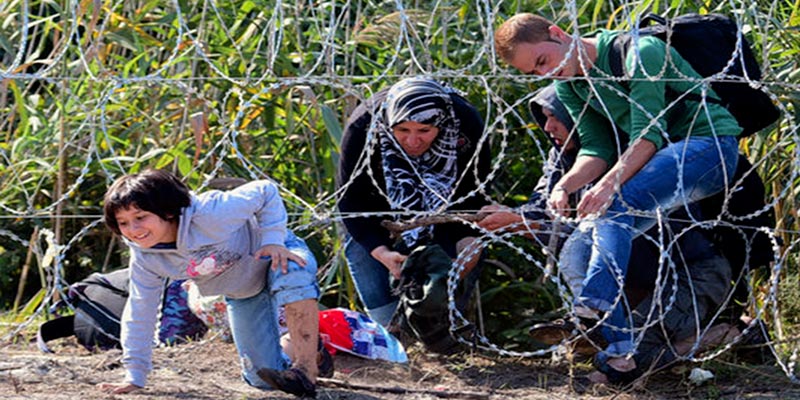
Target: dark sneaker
[[552, 333], [590, 340], [754, 346], [292, 381], [324, 361]]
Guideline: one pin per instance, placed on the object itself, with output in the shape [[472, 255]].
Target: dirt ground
[[208, 369]]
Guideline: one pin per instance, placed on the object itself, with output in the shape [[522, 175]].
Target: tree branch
[[397, 227], [328, 382]]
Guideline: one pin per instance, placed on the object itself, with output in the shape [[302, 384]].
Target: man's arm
[[498, 216], [597, 199], [585, 171]]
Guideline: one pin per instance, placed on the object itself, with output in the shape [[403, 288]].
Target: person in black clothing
[[411, 149]]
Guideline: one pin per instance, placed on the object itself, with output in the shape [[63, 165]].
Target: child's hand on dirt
[[117, 387], [280, 257]]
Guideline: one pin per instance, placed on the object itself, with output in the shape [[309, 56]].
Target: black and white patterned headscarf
[[423, 183]]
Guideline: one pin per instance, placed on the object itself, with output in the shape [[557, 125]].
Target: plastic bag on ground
[[357, 334]]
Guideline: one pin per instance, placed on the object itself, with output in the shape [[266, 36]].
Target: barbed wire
[[183, 46]]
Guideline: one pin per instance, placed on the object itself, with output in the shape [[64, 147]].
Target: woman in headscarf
[[411, 149]]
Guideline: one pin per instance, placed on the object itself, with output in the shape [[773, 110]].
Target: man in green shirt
[[678, 151]]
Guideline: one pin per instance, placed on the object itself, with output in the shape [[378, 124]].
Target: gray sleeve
[[220, 213], [139, 321]]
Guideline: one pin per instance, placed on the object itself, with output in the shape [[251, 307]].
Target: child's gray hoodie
[[217, 236]]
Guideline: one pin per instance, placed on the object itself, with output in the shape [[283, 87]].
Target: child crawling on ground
[[234, 243]]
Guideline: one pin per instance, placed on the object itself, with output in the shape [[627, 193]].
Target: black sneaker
[[324, 361], [292, 381], [754, 347]]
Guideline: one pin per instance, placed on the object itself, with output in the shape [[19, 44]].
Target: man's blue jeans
[[679, 174]]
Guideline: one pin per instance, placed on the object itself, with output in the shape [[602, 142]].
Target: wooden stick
[[397, 227], [328, 382], [23, 278]]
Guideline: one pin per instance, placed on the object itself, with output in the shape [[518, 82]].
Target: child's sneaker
[[291, 380]]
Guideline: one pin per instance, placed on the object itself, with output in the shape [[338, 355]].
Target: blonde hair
[[521, 28]]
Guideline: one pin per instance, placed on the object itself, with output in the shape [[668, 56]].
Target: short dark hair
[[154, 190]]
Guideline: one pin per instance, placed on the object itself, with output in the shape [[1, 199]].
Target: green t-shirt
[[640, 108]]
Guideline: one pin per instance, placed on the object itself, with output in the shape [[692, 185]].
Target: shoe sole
[[266, 377]]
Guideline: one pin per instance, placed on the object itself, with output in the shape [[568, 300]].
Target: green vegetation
[[252, 89]]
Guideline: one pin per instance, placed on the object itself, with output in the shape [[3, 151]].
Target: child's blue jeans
[[254, 320]]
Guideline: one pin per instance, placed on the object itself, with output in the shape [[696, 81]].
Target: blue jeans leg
[[372, 282], [298, 283], [254, 320], [574, 258], [254, 325], [679, 174]]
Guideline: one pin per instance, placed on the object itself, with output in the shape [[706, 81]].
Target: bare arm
[[585, 171], [497, 217], [633, 159]]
